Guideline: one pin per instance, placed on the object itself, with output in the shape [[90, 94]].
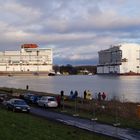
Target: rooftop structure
[[120, 59]]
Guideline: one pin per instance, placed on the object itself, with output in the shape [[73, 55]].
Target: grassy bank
[[19, 126], [109, 112]]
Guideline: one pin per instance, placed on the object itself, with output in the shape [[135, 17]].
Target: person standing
[[62, 93], [71, 94], [99, 96], [27, 87], [85, 94], [103, 96], [58, 98], [76, 94]]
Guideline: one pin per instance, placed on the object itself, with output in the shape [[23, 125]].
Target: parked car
[[27, 97], [2, 97], [47, 101], [15, 104], [34, 98]]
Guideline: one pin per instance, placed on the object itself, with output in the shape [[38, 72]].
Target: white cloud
[[76, 29], [16, 13]]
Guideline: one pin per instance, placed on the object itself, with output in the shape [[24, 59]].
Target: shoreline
[[119, 74], [46, 73], [31, 73]]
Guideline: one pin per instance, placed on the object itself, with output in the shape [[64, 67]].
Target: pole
[[75, 114], [94, 118], [116, 124]]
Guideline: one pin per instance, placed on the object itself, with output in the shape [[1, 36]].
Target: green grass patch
[[20, 126], [103, 117]]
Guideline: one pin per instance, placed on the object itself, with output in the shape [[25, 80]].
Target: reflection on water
[[122, 87]]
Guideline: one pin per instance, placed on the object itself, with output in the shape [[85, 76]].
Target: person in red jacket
[[103, 96], [58, 98]]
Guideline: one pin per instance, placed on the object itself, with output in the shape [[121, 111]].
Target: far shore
[[23, 73], [45, 73]]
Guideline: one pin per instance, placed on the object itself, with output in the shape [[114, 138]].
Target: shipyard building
[[30, 58], [120, 59]]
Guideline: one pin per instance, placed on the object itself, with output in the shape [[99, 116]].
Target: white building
[[29, 59], [120, 59]]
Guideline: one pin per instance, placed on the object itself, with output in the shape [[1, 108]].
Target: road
[[90, 125]]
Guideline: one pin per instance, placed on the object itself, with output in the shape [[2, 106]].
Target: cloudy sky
[[75, 29]]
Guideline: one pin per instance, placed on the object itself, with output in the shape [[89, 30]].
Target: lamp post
[[75, 106], [94, 118], [116, 124]]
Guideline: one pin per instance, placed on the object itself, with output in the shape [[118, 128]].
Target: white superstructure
[[120, 59], [29, 59]]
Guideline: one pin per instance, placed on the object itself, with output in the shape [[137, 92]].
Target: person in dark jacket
[[85, 94], [76, 94], [99, 96]]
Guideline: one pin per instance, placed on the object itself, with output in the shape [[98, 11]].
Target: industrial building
[[30, 59], [120, 59]]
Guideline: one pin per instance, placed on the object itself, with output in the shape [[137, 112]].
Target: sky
[[75, 29]]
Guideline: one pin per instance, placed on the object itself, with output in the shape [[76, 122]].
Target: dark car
[[27, 97], [2, 97], [30, 97], [18, 105], [34, 98]]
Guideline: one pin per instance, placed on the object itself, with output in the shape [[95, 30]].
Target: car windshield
[[51, 99], [19, 102]]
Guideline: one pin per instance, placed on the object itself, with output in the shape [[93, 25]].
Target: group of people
[[87, 95], [60, 97], [73, 94], [101, 96]]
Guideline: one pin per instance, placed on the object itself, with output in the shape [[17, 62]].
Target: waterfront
[[126, 88]]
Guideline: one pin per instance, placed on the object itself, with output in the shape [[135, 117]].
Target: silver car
[[47, 101]]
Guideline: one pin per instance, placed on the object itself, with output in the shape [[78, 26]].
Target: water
[[125, 88]]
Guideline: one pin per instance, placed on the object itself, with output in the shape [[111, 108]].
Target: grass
[[114, 112], [107, 119], [20, 126]]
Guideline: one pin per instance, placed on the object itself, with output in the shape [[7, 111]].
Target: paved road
[[120, 133]]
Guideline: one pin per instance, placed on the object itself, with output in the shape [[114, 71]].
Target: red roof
[[29, 46]]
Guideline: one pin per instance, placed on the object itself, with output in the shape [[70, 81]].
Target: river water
[[125, 88]]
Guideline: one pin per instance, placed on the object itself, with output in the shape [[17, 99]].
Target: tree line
[[73, 70]]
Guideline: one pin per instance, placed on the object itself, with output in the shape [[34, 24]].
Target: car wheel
[[38, 104], [14, 110], [44, 106], [8, 107]]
